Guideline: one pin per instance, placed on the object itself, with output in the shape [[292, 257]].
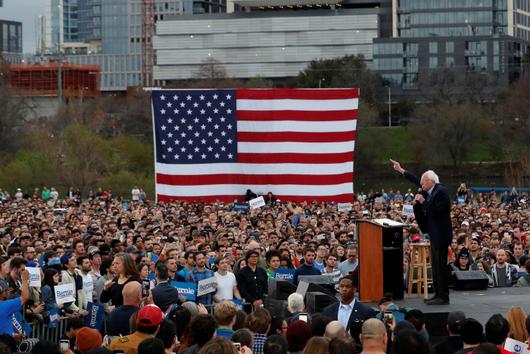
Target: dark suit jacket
[[164, 295], [434, 215], [359, 314]]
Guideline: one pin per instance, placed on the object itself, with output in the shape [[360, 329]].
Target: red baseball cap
[[149, 316]]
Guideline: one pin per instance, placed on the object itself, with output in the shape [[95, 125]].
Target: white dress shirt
[[345, 312]]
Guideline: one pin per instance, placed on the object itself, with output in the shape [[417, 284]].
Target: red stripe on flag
[[341, 198], [196, 180], [312, 116], [295, 137], [295, 158], [306, 94]]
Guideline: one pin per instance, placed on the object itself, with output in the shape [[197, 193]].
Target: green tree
[[447, 133], [346, 71], [86, 157], [13, 112]]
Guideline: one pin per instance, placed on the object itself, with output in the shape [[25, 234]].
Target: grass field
[[396, 143]]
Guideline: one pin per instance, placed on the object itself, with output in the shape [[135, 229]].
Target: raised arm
[[397, 166], [411, 177]]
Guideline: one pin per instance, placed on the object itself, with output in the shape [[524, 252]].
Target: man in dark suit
[[432, 209], [349, 311], [164, 294]]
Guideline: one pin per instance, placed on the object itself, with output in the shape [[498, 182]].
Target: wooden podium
[[380, 259]]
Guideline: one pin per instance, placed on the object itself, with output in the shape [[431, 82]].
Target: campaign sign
[[20, 325], [242, 207], [96, 316], [256, 202], [408, 210], [64, 293], [238, 303], [206, 286], [185, 289], [516, 347], [284, 274], [344, 207], [460, 200], [53, 317], [34, 277]]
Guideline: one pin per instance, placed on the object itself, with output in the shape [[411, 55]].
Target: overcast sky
[[24, 11]]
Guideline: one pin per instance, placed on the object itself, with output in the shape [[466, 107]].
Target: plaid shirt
[[194, 277], [259, 342]]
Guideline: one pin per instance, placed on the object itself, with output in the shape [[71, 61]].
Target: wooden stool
[[420, 262]]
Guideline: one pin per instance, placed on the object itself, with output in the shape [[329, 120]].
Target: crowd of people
[[126, 257]]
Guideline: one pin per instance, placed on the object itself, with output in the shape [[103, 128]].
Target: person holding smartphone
[[388, 310]]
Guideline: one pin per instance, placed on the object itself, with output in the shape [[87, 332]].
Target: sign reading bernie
[[64, 293], [206, 286]]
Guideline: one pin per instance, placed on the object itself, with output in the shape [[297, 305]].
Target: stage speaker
[[316, 301], [280, 289], [327, 289], [393, 261], [471, 280]]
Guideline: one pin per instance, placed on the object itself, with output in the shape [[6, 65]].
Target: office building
[[10, 37], [467, 37], [60, 24], [269, 41], [107, 33]]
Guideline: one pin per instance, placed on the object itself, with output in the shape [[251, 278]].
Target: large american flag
[[215, 144]]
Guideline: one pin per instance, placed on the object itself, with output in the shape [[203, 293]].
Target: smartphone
[[64, 345], [237, 346], [303, 317], [145, 288], [389, 315]]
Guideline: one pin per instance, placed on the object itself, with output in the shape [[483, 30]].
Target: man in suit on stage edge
[[349, 311], [432, 209]]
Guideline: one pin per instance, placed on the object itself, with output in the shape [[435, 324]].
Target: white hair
[[432, 176], [295, 303]]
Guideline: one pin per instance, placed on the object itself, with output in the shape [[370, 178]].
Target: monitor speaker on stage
[[471, 280], [316, 301], [280, 289]]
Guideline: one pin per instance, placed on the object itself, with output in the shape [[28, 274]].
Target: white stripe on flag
[[306, 148], [297, 105], [296, 126], [236, 189], [255, 169]]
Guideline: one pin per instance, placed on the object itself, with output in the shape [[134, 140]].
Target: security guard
[[147, 324]]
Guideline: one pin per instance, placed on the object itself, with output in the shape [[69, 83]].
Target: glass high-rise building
[[10, 37], [102, 32], [489, 37]]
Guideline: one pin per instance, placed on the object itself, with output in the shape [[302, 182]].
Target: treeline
[[107, 142]]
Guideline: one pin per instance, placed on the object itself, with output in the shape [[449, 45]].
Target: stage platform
[[479, 304]]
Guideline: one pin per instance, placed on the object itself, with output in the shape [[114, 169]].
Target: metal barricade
[[41, 330]]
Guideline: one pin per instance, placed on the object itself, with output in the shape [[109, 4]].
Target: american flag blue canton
[[195, 126]]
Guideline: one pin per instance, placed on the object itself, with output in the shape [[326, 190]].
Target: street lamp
[[389, 106]]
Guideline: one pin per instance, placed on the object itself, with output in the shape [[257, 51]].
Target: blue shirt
[[345, 312], [7, 309], [224, 332], [194, 277], [319, 266], [183, 272], [304, 269]]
